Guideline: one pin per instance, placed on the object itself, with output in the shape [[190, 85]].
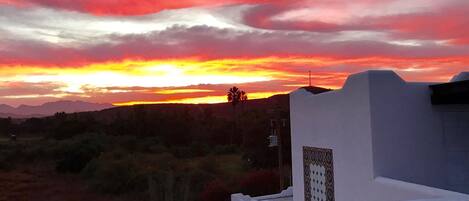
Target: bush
[[5, 164], [129, 143], [44, 149], [151, 145], [181, 152], [9, 155], [76, 154], [225, 149], [260, 182], [199, 178], [68, 129], [215, 190], [171, 185], [209, 164], [199, 149], [115, 173]]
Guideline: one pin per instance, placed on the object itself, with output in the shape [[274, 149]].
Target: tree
[[235, 96], [243, 98], [215, 191], [5, 126], [259, 182]]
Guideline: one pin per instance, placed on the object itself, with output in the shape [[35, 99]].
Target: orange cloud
[[267, 48], [201, 81], [182, 91]]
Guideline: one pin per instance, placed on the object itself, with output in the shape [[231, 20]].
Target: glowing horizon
[[204, 100]]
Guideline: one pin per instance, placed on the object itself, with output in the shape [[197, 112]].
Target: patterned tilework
[[318, 174]]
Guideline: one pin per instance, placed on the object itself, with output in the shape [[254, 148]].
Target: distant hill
[[108, 112], [50, 108], [223, 110], [19, 116], [6, 108], [315, 90]]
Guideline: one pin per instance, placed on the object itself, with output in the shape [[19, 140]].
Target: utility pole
[[309, 78], [277, 125]]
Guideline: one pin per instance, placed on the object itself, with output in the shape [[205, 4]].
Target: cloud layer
[[51, 49]]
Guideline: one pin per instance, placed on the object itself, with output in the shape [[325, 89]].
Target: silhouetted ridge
[[50, 108], [316, 90]]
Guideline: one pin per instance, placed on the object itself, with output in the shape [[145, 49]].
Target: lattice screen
[[318, 174]]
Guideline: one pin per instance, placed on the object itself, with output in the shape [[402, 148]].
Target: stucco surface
[[377, 125]]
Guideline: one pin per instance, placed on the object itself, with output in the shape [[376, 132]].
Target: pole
[[309, 78], [280, 156]]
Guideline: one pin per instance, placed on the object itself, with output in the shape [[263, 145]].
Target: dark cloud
[[337, 48], [212, 43]]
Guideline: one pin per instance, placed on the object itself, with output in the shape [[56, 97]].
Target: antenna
[[309, 78]]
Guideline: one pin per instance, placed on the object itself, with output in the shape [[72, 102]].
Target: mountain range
[[50, 108], [221, 109]]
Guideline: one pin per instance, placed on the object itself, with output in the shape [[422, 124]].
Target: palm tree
[[244, 96], [243, 99], [235, 96]]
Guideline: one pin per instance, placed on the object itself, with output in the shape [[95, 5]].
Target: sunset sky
[[148, 51]]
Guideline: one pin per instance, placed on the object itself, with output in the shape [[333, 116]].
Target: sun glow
[[188, 80], [181, 91], [205, 99], [167, 81], [140, 74], [158, 73]]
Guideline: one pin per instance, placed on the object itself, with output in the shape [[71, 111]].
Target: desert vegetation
[[146, 152]]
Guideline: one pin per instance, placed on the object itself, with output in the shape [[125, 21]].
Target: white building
[[380, 138]]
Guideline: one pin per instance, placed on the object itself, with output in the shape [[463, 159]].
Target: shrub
[[115, 173], [43, 149], [199, 149], [76, 154], [198, 179], [181, 152], [68, 129], [10, 155], [151, 145], [225, 149], [209, 164], [215, 190], [170, 185], [260, 182], [5, 164], [129, 143]]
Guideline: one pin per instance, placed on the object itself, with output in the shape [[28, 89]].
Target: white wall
[[370, 115], [456, 131], [415, 141], [407, 132], [338, 120]]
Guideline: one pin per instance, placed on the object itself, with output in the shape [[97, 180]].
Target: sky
[[191, 51]]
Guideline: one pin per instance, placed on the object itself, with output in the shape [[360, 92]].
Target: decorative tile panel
[[318, 174]]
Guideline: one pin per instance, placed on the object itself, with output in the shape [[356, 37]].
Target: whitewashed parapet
[[240, 197], [436, 193], [284, 195]]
